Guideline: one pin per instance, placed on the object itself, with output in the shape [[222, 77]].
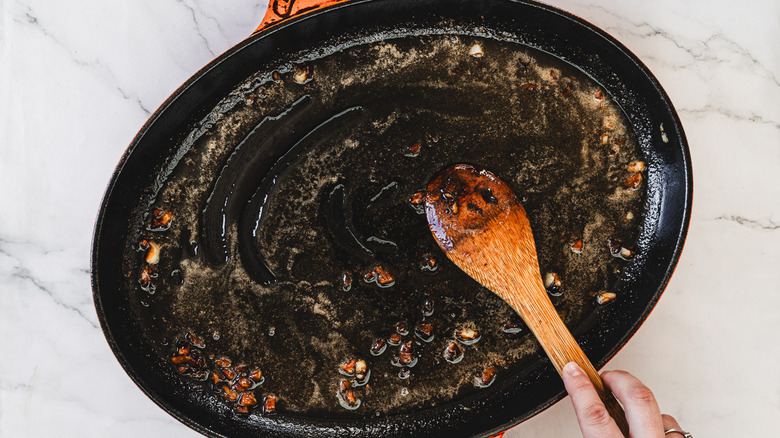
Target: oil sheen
[[296, 245]]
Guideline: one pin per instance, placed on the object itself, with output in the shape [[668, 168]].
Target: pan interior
[[285, 201]]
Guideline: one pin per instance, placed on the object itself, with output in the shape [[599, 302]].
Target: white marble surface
[[77, 80]]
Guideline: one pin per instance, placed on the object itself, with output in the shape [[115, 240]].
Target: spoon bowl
[[481, 226]]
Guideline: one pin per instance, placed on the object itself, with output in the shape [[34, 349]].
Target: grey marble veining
[[77, 80]]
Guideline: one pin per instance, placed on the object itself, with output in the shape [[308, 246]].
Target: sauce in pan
[[285, 261]]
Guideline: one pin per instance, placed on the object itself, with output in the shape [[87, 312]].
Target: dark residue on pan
[[255, 258]]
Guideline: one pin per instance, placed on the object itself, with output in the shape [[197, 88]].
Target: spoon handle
[[561, 347]]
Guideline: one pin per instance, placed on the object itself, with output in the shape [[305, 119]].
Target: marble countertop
[[78, 79]]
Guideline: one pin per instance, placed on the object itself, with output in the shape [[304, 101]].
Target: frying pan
[[293, 27]]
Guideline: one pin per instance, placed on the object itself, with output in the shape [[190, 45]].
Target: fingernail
[[572, 369]]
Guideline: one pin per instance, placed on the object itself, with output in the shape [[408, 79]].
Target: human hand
[[642, 412]]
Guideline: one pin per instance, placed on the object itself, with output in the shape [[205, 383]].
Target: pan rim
[[215, 64]]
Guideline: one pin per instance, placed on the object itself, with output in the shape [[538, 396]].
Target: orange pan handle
[[281, 10]]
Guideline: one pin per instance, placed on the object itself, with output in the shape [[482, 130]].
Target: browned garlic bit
[[247, 399], [153, 254], [194, 340], [348, 400], [406, 355], [162, 220], [417, 201], [424, 332], [605, 297], [467, 336], [229, 373], [476, 51], [243, 383], [362, 379], [413, 150], [617, 249], [182, 347], [453, 352], [394, 339], [429, 264], [303, 75], [360, 367], [345, 385], [576, 247], [664, 138], [604, 138], [300, 76], [148, 272], [229, 393], [530, 86], [629, 216], [348, 367], [512, 327], [637, 166], [180, 359], [598, 95], [346, 396], [269, 405], [634, 181], [378, 347], [614, 246], [401, 328], [553, 284], [380, 276], [346, 281], [362, 373], [485, 378]]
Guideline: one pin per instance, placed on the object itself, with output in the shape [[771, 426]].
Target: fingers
[[671, 423], [592, 416], [642, 413], [644, 417]]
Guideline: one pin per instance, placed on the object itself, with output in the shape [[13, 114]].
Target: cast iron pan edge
[[494, 417]]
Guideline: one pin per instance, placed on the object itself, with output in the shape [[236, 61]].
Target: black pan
[[523, 392]]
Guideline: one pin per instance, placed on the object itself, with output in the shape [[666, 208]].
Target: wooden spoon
[[482, 227]]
